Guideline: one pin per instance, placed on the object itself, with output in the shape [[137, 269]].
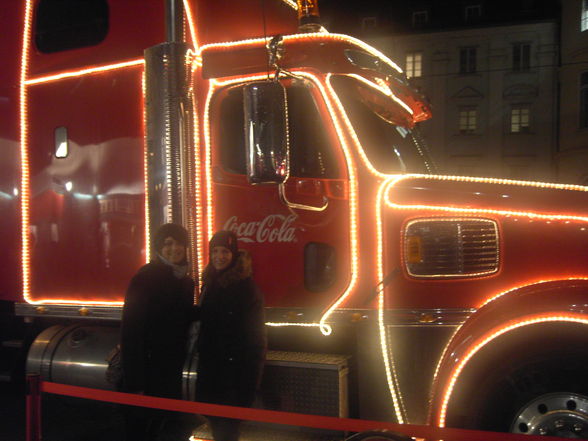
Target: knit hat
[[226, 239], [175, 231]]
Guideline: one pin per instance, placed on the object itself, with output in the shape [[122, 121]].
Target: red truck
[[391, 291]]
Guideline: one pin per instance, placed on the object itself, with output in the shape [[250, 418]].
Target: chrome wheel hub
[[560, 414]]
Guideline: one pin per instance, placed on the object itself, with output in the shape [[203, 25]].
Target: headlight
[[450, 247]]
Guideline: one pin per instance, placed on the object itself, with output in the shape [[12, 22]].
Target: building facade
[[572, 156], [491, 72]]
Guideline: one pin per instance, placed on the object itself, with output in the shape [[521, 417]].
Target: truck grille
[[451, 247]]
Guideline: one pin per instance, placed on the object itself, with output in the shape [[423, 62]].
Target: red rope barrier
[[33, 408], [288, 418]]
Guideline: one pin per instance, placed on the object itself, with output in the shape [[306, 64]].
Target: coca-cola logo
[[273, 228]]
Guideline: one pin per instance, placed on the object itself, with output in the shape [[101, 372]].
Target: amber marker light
[[493, 334]]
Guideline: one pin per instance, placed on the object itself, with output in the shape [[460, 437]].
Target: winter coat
[[232, 342], [156, 315]]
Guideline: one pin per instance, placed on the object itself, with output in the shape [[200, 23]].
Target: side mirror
[[266, 132]]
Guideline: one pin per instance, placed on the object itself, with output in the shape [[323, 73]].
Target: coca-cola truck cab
[[391, 291]]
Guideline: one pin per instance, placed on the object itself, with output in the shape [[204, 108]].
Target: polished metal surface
[[562, 414], [69, 311], [73, 355], [169, 110], [452, 247], [266, 132]]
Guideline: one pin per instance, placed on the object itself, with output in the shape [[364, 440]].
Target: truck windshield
[[390, 148]]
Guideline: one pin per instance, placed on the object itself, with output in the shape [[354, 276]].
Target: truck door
[[300, 241]]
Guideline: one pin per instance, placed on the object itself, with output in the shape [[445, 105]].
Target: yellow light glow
[[491, 335], [533, 215], [382, 87], [82, 72], [190, 20], [24, 157], [536, 282], [145, 174]]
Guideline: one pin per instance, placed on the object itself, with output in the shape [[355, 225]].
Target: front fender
[[553, 301]]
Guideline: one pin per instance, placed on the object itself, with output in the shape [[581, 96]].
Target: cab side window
[[70, 24], [310, 152]]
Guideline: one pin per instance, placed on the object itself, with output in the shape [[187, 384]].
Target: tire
[[538, 389]]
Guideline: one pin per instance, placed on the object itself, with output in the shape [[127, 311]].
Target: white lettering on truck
[[273, 228]]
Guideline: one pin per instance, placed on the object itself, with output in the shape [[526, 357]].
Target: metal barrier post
[[33, 408]]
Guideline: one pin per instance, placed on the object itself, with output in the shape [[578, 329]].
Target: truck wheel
[[560, 414], [542, 397]]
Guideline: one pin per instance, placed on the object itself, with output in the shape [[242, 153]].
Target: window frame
[[468, 17], [521, 56], [468, 60], [420, 18], [522, 126], [414, 64], [584, 16]]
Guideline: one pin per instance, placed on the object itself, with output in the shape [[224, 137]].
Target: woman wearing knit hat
[[157, 312], [232, 341]]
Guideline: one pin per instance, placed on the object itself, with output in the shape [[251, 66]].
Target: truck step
[[14, 344]]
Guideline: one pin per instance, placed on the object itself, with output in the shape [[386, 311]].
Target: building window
[[521, 57], [369, 23], [472, 12], [420, 18], [468, 120], [467, 60], [584, 100], [414, 64], [520, 119], [584, 17]]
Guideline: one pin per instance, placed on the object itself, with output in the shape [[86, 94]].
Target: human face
[[221, 258], [173, 251]]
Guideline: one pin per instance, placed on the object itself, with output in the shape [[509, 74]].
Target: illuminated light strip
[[81, 72], [383, 88], [325, 329], [360, 150], [387, 353], [529, 214], [491, 335], [24, 158], [197, 190], [25, 165], [85, 302], [146, 173], [537, 282], [316, 35], [307, 325], [190, 20], [291, 3]]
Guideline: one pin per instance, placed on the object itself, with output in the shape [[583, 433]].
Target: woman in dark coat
[[157, 313], [232, 342]]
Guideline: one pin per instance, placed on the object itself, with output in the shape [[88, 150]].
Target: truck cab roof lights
[[324, 36], [308, 16]]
